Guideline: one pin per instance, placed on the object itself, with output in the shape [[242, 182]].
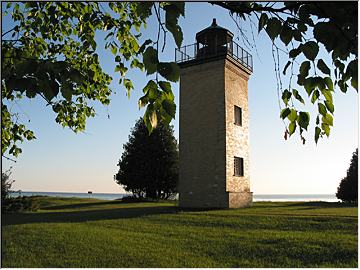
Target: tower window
[[238, 166], [238, 115]]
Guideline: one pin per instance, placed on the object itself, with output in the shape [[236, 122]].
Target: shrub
[[20, 204], [131, 199], [6, 183]]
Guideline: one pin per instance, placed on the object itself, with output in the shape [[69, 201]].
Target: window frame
[[239, 167], [238, 109]]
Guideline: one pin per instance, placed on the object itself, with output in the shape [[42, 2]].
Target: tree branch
[[12, 29], [13, 160], [162, 27], [239, 8]]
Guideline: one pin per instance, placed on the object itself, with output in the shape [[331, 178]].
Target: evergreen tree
[[348, 188], [149, 164]]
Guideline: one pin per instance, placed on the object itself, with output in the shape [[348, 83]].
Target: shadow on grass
[[83, 216], [325, 204], [308, 205], [78, 205]]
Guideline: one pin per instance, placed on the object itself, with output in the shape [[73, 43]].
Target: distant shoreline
[[114, 196]]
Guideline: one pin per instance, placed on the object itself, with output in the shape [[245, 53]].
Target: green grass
[[94, 233]]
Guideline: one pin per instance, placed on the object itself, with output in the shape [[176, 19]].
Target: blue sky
[[60, 160]]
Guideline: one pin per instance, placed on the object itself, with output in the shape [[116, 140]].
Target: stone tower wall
[[202, 136], [237, 137], [209, 139]]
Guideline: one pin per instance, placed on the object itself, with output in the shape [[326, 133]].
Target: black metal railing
[[198, 51]]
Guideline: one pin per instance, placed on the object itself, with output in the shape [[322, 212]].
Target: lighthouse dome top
[[214, 34]]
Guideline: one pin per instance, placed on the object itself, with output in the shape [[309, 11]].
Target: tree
[[348, 188], [6, 184], [149, 164], [303, 28], [51, 53], [14, 204]]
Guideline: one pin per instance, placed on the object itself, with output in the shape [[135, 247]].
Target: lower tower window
[[238, 166]]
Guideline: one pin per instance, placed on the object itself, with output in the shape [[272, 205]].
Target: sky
[[62, 161]]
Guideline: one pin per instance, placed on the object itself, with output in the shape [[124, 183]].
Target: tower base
[[215, 201], [240, 199]]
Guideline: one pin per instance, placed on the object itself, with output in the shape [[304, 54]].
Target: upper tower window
[[238, 115]]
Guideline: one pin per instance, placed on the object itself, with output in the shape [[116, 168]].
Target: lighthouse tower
[[214, 121]]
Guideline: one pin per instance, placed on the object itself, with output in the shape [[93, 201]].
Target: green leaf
[[137, 64], [151, 84], [326, 129], [143, 101], [262, 21], [150, 119], [310, 49], [171, 23], [113, 49], [165, 86], [180, 6], [327, 119], [330, 106], [129, 86], [143, 46], [170, 107], [327, 33], [297, 35], [153, 94], [50, 89], [286, 95], [323, 67], [286, 66], [303, 119], [297, 96], [317, 134], [315, 96], [153, 119], [301, 27], [169, 71], [292, 116], [286, 34], [342, 85], [322, 109], [121, 68], [66, 91], [304, 68], [150, 60], [284, 113], [354, 83], [273, 27], [294, 52], [309, 84], [144, 8], [292, 128], [329, 83], [352, 71], [327, 95]]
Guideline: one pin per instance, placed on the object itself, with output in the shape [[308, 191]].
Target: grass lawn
[[93, 233]]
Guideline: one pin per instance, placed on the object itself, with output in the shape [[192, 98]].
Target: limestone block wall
[[237, 137], [209, 139], [202, 136]]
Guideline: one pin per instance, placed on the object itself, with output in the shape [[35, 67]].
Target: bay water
[[114, 196]]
